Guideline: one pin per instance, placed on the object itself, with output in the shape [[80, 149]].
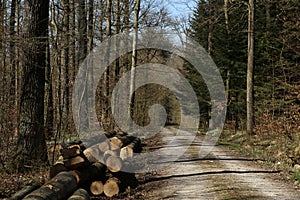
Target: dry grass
[[278, 151]]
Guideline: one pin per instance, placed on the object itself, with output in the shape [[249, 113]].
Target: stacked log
[[25, 191], [96, 188], [59, 166], [71, 157], [97, 169], [127, 151], [80, 194], [112, 187], [59, 187]]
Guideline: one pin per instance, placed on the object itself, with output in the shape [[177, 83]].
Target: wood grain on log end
[[111, 187], [114, 163], [96, 188], [126, 153], [104, 146]]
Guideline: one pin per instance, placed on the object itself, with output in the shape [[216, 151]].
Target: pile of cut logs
[[96, 170]]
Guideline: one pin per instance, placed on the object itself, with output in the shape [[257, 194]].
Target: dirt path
[[220, 175]]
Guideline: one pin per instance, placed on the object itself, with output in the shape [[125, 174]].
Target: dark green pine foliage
[[276, 59], [228, 50], [199, 23], [276, 70]]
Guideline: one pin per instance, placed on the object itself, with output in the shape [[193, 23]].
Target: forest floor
[[227, 172]]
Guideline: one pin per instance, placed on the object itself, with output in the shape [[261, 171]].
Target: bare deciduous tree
[[250, 66], [31, 144]]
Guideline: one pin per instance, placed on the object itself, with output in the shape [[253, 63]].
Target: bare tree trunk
[[210, 29], [101, 20], [228, 35], [49, 125], [49, 105], [81, 55], [3, 69], [82, 31], [108, 17], [72, 51], [126, 18], [117, 62], [12, 49], [106, 81], [250, 66], [13, 63], [65, 89], [18, 69], [52, 74], [134, 57], [90, 25], [127, 58], [31, 144]]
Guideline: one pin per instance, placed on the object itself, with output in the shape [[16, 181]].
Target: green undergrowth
[[296, 176]]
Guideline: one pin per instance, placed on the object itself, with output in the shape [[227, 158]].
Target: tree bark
[[227, 85], [72, 50], [81, 55], [74, 163], [59, 187], [13, 63], [3, 69], [58, 167], [91, 26], [133, 60], [210, 28], [105, 113], [82, 31], [80, 194], [31, 142], [71, 151], [90, 173], [65, 59], [250, 68], [52, 74], [25, 191]]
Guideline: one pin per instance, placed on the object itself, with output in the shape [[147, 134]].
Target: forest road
[[219, 175]]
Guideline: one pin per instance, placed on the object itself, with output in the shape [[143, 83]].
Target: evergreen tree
[[276, 81], [229, 52]]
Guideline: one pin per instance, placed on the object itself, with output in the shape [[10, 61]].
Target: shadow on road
[[208, 173]]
